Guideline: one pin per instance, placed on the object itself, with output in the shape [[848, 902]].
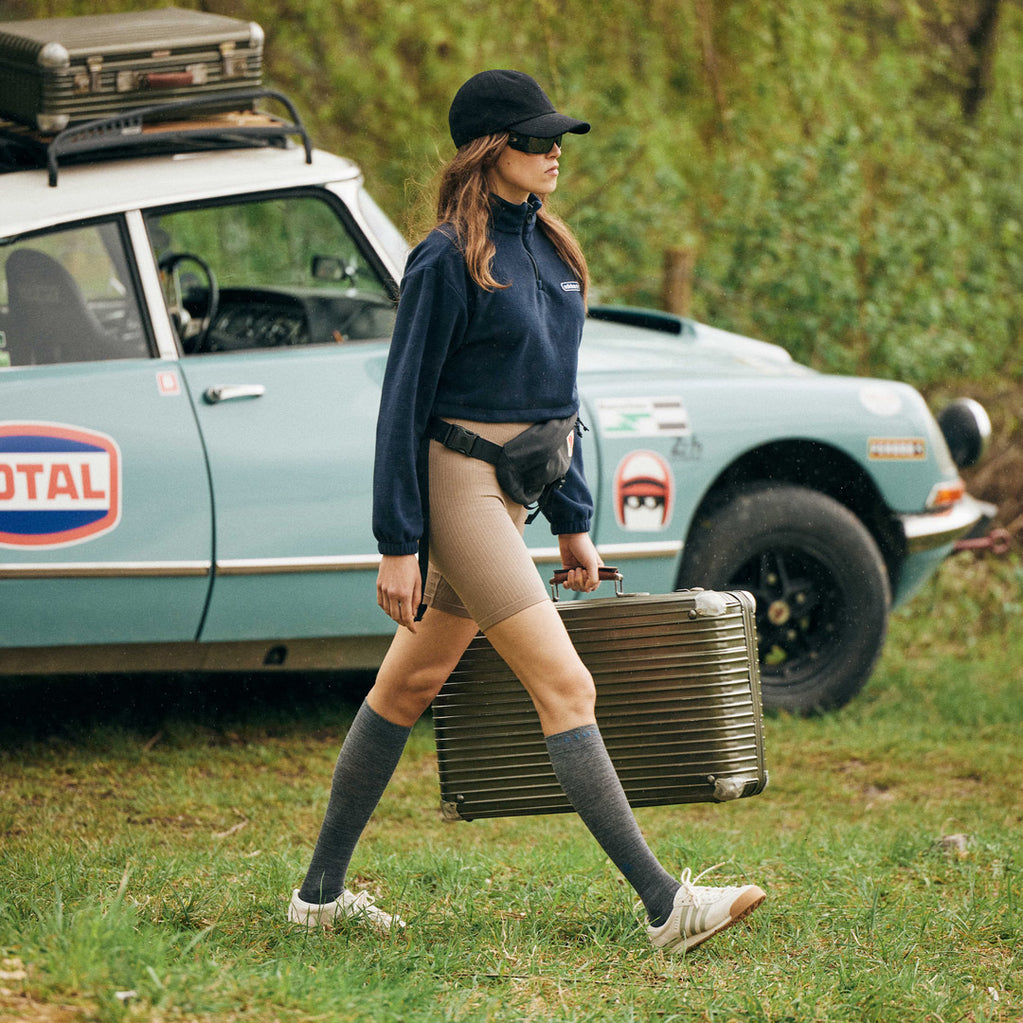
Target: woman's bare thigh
[[536, 646], [417, 664]]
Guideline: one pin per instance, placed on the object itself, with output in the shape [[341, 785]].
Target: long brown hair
[[463, 203]]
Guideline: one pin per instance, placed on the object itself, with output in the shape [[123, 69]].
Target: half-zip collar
[[509, 218]]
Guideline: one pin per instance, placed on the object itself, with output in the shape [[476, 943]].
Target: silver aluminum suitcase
[[60, 71], [678, 704]]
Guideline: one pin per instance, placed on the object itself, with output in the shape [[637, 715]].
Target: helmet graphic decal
[[644, 491]]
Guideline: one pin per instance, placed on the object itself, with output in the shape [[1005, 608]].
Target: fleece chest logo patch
[[59, 484], [571, 286]]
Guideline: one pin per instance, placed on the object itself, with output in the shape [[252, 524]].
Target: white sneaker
[[358, 907], [700, 912]]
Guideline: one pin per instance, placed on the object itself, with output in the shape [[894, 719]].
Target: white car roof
[[29, 203]]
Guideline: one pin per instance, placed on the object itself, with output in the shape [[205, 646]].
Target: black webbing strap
[[423, 477], [457, 438]]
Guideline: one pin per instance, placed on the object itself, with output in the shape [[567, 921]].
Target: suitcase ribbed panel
[[678, 704], [56, 71]]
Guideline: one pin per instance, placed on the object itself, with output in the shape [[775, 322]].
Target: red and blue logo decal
[[59, 484]]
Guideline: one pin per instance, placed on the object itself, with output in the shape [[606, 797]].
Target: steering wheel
[[193, 332]]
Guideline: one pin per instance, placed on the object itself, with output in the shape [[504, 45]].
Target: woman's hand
[[580, 557], [400, 588]]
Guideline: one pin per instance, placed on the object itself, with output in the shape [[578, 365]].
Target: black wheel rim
[[799, 613]]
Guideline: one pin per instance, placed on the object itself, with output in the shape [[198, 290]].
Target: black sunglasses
[[533, 144]]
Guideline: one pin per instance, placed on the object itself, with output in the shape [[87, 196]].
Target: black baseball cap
[[496, 101]]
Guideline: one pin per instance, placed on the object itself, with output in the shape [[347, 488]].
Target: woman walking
[[485, 346]]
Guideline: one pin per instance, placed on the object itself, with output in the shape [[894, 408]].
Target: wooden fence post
[[677, 283]]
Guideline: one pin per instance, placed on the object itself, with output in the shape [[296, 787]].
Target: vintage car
[[194, 323]]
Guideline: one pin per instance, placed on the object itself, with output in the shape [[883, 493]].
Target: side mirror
[[330, 268]]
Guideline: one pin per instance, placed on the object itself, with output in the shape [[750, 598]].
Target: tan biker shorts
[[479, 565]]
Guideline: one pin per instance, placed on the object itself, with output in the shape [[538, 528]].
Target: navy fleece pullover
[[503, 356]]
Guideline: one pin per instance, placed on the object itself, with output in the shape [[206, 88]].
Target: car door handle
[[232, 392]]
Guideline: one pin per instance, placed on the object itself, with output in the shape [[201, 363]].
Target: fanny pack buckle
[[460, 439]]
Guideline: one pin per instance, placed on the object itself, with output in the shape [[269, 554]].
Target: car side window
[[267, 273], [68, 296]]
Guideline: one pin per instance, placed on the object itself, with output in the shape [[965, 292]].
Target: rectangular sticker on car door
[[896, 449], [643, 417], [59, 484]]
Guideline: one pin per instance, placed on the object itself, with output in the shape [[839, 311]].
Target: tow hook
[[998, 541]]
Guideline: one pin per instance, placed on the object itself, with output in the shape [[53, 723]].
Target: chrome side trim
[[106, 570], [278, 566], [936, 529], [282, 566], [922, 532], [370, 562], [634, 551], [615, 551]]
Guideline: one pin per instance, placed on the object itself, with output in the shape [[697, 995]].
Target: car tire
[[820, 584]]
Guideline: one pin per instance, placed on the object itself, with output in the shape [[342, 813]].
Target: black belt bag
[[529, 466]]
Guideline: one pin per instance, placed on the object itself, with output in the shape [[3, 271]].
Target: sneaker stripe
[[748, 900], [702, 911]]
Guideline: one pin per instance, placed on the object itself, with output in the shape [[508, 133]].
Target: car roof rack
[[181, 126]]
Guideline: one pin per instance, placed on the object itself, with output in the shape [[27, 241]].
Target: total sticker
[[59, 485]]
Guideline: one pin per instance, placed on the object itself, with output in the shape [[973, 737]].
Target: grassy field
[[151, 833]]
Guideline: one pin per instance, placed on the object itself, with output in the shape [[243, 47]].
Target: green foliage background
[[818, 161]]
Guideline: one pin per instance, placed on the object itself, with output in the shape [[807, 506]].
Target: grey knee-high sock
[[368, 757], [591, 783]]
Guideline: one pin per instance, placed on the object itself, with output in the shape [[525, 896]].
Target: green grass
[[149, 836]]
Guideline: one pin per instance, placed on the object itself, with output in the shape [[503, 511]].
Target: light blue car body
[[230, 491]]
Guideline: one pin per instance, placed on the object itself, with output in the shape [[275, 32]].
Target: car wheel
[[820, 585]]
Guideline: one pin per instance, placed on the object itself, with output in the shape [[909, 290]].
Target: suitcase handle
[[167, 79], [606, 573]]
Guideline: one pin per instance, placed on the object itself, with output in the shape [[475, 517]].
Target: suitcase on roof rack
[[60, 71], [678, 704]]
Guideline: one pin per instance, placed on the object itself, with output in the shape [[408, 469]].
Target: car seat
[[48, 319]]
